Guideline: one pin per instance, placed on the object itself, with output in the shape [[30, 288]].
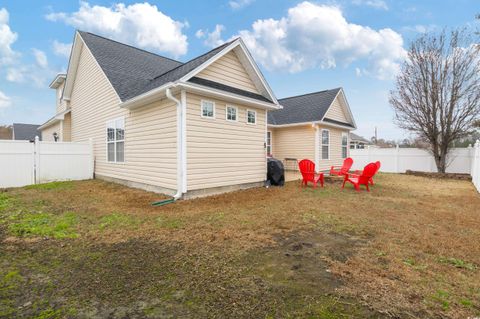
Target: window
[[116, 141], [231, 113], [208, 109], [325, 144], [344, 145], [251, 117], [269, 143]]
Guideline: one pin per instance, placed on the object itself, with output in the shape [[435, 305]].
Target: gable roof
[[133, 72], [25, 131], [309, 107]]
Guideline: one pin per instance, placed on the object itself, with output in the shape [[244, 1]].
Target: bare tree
[[437, 94]]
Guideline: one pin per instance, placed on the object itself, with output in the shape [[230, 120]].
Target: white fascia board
[[230, 47], [55, 119], [257, 71], [72, 66], [147, 97], [57, 80], [346, 103]]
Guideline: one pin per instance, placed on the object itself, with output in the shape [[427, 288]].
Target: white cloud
[[238, 4], [7, 38], [420, 28], [139, 24], [377, 4], [314, 35], [31, 74], [212, 39], [61, 49], [5, 101], [40, 58]]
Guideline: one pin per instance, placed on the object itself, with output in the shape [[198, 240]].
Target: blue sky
[[300, 46]]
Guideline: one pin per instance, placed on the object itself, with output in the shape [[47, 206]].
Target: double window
[[251, 117], [231, 113], [208, 109], [344, 145], [116, 141], [325, 144]]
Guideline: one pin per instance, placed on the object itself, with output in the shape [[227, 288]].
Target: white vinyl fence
[[476, 165], [398, 160], [24, 163]]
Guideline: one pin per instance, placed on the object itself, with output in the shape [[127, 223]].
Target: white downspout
[[180, 147]]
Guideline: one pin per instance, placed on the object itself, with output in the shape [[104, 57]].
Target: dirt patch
[[150, 279], [457, 176]]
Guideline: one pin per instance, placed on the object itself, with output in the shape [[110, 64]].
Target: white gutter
[[181, 174]]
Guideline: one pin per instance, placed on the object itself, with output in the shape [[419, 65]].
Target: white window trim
[[201, 109], [347, 146], [226, 113], [115, 142], [271, 142], [246, 115], [321, 144]]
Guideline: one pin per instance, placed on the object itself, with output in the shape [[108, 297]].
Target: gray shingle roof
[[133, 71], [26, 131], [227, 88], [356, 137], [303, 108]]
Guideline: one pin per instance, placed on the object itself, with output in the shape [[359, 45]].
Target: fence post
[[397, 158], [92, 158], [36, 164]]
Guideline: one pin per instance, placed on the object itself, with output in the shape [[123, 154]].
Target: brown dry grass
[[419, 254]]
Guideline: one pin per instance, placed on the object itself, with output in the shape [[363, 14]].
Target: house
[[22, 132], [315, 126], [5, 132], [358, 142], [183, 129], [58, 128]]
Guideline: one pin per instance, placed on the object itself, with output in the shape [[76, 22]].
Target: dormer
[[58, 83]]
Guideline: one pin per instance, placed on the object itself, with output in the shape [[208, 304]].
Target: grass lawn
[[92, 249]]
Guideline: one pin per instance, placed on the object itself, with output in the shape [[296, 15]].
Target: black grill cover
[[275, 172]]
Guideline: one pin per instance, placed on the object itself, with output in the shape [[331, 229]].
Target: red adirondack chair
[[342, 170], [363, 178], [307, 168], [371, 179]]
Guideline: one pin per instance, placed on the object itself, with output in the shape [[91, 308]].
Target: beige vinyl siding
[[221, 152], [67, 128], [150, 132], [229, 70], [293, 142], [335, 149], [336, 112], [61, 105], [47, 133]]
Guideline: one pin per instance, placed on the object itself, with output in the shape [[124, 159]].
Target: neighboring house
[[314, 126], [22, 132], [187, 129], [358, 142], [5, 132]]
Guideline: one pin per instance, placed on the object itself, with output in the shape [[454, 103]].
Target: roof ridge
[[131, 46], [311, 93], [197, 57]]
